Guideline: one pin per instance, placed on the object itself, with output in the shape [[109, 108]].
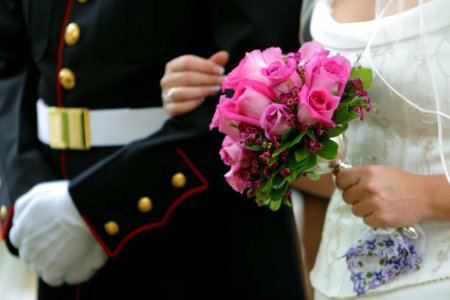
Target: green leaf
[[287, 202], [266, 186], [280, 191], [278, 181], [288, 145], [340, 114], [301, 154], [365, 75], [254, 147], [338, 130], [291, 161], [357, 100], [352, 116], [344, 115], [311, 134], [300, 167], [313, 176], [273, 159], [295, 174], [287, 134], [275, 204], [345, 98], [312, 161], [262, 196], [329, 150]]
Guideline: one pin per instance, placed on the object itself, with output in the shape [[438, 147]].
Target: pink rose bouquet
[[281, 116]]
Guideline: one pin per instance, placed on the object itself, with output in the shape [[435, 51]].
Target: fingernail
[[219, 70], [221, 79], [215, 89]]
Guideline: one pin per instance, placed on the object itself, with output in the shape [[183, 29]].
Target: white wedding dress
[[17, 282], [393, 133]]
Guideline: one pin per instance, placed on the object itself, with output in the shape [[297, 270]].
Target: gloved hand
[[52, 238]]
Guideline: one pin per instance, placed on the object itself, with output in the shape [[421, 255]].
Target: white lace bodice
[[393, 133]]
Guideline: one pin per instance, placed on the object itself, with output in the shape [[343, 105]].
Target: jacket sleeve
[[150, 169], [21, 162], [139, 187]]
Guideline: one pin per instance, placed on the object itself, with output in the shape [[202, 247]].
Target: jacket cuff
[[140, 203]]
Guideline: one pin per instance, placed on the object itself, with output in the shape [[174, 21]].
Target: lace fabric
[[425, 21]]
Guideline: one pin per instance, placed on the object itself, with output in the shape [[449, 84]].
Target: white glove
[[52, 238]]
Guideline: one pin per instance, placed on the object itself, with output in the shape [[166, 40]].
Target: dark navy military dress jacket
[[159, 206]]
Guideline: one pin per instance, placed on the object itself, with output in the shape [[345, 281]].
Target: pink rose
[[279, 72], [235, 182], [324, 81], [285, 77], [251, 98], [337, 68], [251, 65], [329, 73], [309, 50], [247, 105], [277, 119], [317, 105], [232, 154], [225, 120]]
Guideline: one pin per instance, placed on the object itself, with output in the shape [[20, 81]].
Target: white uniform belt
[[80, 128]]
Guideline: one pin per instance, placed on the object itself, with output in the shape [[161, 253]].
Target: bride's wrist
[[436, 198]]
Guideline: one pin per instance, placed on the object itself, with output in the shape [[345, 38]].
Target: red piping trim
[[2, 233], [61, 51], [7, 223], [62, 157], [78, 292], [166, 217]]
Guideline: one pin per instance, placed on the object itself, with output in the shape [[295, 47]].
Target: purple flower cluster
[[376, 261]]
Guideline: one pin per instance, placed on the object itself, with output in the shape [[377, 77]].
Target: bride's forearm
[[437, 192], [323, 187]]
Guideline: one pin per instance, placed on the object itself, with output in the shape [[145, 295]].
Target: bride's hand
[[188, 79], [385, 196]]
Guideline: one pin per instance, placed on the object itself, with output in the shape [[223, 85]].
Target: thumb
[[347, 178], [220, 58]]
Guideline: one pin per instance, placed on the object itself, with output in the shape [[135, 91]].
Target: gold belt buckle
[[69, 128]]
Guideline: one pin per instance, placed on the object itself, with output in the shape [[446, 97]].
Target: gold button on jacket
[[179, 180], [67, 78], [145, 204], [72, 34], [111, 228], [3, 212]]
